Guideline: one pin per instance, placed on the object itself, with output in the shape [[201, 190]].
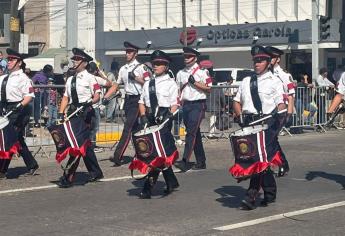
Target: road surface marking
[[280, 216]]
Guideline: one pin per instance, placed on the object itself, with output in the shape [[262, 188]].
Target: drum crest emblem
[[143, 147], [246, 148]]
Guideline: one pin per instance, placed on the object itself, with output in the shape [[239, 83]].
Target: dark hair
[[322, 70], [47, 69], [92, 67]]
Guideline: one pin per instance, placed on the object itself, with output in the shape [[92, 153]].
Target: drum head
[[249, 130], [148, 130]]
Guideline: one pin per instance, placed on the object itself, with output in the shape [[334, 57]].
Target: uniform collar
[[133, 62], [17, 72], [189, 68], [266, 75], [82, 73], [163, 77]]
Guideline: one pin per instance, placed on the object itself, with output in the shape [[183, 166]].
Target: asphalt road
[[310, 199]]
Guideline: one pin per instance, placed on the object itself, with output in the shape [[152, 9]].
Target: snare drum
[[253, 148], [154, 147], [149, 143]]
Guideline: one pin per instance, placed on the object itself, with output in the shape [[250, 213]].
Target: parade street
[[310, 200]]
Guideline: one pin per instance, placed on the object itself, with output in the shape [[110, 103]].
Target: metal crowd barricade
[[311, 105]]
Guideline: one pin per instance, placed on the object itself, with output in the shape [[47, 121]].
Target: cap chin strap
[[79, 64]]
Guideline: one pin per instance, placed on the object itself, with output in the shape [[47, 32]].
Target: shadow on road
[[231, 196], [156, 191], [80, 179], [340, 179], [14, 173]]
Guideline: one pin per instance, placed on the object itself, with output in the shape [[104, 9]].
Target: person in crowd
[[289, 89], [132, 75], [194, 83], [338, 73], [304, 99], [155, 108], [2, 70], [112, 77], [81, 90], [259, 95], [19, 93], [3, 63], [41, 95], [103, 81], [324, 87], [54, 98]]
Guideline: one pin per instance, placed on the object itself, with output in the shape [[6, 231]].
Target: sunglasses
[[159, 63], [188, 56], [12, 59], [260, 59]]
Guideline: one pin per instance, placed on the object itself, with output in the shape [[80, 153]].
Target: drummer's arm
[[63, 105], [142, 109], [335, 102], [26, 100], [173, 108], [237, 108]]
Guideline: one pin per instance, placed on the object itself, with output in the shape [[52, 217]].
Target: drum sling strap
[[153, 97], [74, 94], [3, 94], [255, 94]]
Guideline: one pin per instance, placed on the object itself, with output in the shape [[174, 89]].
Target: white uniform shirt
[[132, 87], [190, 92], [270, 90], [166, 91], [86, 85], [341, 85], [286, 78], [323, 82], [18, 86]]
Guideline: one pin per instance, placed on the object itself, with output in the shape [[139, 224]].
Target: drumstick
[[266, 117], [161, 125]]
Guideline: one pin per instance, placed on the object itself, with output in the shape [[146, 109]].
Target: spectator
[[304, 99], [324, 86], [2, 72], [54, 98], [41, 95], [338, 73], [3, 63], [104, 83], [112, 77]]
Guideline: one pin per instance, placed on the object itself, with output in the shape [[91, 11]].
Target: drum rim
[[149, 130], [253, 127]]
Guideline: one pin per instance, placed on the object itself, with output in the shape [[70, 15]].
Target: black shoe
[[170, 189], [145, 195], [247, 205], [199, 166], [96, 178], [183, 165], [32, 171], [116, 161], [264, 202], [2, 175], [64, 182], [283, 171]]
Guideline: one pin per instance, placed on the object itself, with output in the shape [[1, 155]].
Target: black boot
[[64, 182], [116, 161], [146, 192], [170, 180], [183, 165]]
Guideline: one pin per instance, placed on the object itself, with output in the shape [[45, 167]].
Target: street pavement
[[310, 199]]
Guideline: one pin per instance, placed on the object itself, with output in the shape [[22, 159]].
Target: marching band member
[[250, 106], [79, 90], [194, 83], [157, 103], [132, 75], [289, 90], [16, 94]]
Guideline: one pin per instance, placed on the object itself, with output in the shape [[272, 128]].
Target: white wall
[[134, 14], [86, 25]]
